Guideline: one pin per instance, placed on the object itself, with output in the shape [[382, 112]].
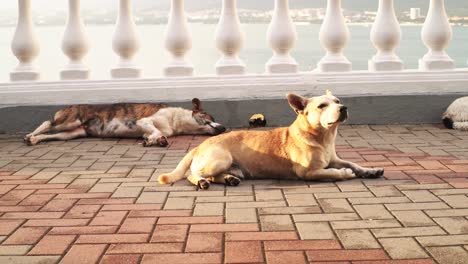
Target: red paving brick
[[337, 255], [121, 259], [52, 245], [26, 236], [302, 245], [245, 236], [79, 254], [281, 257], [204, 242], [183, 258], [137, 225], [243, 252], [42, 216], [145, 248], [170, 233]]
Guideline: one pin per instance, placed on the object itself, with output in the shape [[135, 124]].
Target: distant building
[[415, 13]]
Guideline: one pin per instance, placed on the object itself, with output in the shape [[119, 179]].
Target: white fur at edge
[[458, 112]]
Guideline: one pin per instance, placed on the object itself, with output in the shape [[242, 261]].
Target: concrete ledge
[[403, 109], [373, 98]]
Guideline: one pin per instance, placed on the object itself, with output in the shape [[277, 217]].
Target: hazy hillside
[[454, 7]]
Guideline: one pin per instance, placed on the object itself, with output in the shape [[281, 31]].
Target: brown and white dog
[[153, 122], [305, 150]]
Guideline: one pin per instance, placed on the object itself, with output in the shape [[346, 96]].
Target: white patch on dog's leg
[[43, 128], [152, 135], [79, 132], [333, 174]]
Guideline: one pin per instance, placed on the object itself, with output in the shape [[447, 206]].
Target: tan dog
[[153, 122], [305, 150]]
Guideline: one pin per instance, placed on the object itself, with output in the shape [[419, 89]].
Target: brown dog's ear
[[298, 103], [196, 104]]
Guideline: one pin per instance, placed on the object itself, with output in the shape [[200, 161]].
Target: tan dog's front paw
[[371, 173], [347, 174]]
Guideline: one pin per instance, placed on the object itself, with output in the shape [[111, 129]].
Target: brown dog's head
[[324, 111], [206, 123]]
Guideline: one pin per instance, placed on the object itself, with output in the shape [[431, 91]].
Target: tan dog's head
[[206, 123], [324, 111]]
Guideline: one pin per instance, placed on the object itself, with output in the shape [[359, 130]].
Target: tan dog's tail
[[180, 170]]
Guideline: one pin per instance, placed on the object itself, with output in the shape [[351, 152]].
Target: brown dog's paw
[[162, 141], [203, 184], [372, 173], [231, 180], [30, 141]]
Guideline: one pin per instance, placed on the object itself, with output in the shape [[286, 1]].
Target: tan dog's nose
[[343, 109]]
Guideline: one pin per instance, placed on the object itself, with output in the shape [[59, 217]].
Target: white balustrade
[[75, 44], [436, 35], [178, 41], [125, 42], [25, 45], [229, 38], [282, 36], [386, 36], [334, 35]]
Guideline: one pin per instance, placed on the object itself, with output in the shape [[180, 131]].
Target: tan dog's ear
[[298, 103], [196, 104], [328, 92]]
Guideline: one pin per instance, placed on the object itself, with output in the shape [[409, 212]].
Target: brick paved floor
[[97, 201]]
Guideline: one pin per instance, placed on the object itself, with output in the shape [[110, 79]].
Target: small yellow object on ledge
[[257, 120]]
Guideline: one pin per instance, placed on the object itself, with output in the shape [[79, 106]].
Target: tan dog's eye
[[322, 106], [337, 101]]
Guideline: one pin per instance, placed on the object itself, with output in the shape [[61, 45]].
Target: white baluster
[[436, 35], [75, 44], [178, 41], [334, 35], [229, 40], [385, 35], [125, 42], [24, 45], [281, 35]]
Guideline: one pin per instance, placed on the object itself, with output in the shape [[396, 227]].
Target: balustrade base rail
[[373, 98]]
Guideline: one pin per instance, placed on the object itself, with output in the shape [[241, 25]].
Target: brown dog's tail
[[180, 170]]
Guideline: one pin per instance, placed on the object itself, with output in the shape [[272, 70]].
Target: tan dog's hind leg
[[210, 167], [358, 170], [79, 132], [332, 174], [225, 178]]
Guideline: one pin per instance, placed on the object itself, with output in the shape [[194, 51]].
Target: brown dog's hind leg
[[43, 128], [67, 135]]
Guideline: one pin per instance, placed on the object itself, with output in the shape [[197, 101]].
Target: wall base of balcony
[[373, 98]]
